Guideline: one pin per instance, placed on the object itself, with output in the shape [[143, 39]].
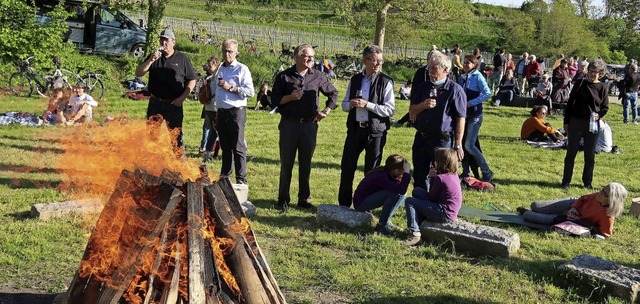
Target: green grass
[[315, 264]]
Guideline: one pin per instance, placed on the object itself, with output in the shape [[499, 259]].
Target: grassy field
[[315, 264]]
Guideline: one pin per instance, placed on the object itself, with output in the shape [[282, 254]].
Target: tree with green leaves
[[429, 10]]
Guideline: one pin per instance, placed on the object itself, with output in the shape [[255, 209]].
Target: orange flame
[[220, 247], [95, 155]]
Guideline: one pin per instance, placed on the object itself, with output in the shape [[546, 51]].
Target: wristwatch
[[231, 89], [457, 146]]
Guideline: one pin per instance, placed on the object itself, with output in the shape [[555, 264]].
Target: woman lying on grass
[[596, 210], [444, 199]]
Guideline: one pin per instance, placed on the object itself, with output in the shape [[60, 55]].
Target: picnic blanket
[[547, 144], [20, 118], [498, 216]]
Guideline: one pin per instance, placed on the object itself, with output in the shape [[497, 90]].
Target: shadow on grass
[[31, 298], [35, 149], [27, 169], [21, 216], [426, 299], [23, 183]]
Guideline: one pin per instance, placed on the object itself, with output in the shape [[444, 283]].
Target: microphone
[[161, 48]]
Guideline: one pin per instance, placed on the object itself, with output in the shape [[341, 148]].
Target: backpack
[[204, 94], [476, 184]]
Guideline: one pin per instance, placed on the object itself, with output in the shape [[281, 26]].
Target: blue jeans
[[386, 199], [419, 208], [630, 100], [471, 129], [494, 80]]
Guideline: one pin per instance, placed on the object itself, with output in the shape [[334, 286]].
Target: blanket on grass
[[498, 216]]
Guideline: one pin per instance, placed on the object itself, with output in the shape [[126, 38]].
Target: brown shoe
[[412, 240]]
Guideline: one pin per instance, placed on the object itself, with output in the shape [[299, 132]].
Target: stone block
[[242, 192], [635, 207], [472, 238], [335, 215], [248, 208], [619, 281], [46, 211]]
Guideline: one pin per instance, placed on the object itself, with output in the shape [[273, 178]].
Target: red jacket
[[532, 69]]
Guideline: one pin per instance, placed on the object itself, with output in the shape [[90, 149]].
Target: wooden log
[[151, 290], [243, 270], [197, 253], [135, 212]]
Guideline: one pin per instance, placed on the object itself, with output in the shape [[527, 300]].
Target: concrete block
[[46, 211], [619, 281], [635, 206], [335, 215], [242, 192], [248, 208], [472, 238]]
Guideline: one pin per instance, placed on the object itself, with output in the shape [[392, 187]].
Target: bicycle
[[346, 72], [93, 84], [26, 79]]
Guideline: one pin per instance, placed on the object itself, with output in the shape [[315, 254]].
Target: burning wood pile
[[162, 240]]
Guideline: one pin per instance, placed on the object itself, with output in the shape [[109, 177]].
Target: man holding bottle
[[370, 101]]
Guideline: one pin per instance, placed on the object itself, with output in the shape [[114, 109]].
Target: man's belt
[[300, 120], [231, 109], [161, 99], [362, 124], [440, 135]]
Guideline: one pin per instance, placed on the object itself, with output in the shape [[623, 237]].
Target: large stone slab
[[619, 281], [248, 208], [470, 238], [335, 215], [46, 211]]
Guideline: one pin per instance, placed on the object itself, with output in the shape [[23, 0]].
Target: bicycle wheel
[[20, 85], [94, 86]]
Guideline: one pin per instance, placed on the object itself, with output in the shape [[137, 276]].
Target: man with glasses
[[296, 94], [171, 80], [235, 85], [370, 101]]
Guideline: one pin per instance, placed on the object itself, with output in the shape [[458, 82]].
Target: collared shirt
[[239, 76], [312, 83], [168, 76], [451, 102], [385, 110]]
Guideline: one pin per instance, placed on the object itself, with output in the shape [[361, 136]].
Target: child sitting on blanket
[[536, 129], [80, 106], [382, 187], [444, 199], [56, 106]]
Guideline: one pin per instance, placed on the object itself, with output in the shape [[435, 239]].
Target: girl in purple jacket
[[444, 199]]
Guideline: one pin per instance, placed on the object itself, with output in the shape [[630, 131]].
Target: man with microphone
[[171, 80]]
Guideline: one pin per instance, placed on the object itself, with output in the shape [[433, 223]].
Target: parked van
[[98, 28]]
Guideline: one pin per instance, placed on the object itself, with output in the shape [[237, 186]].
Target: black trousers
[[579, 128], [211, 117], [230, 125], [164, 110], [423, 152], [358, 139], [296, 137]]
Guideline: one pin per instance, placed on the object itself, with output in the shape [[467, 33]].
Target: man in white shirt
[[81, 105], [370, 102], [235, 85]]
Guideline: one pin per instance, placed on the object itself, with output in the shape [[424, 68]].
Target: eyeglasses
[[543, 113], [375, 61], [228, 51]]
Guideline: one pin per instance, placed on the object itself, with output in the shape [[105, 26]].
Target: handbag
[[204, 94]]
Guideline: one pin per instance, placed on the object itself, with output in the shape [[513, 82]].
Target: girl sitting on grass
[[382, 187], [444, 199]]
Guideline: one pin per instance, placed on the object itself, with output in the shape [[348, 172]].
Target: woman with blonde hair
[[597, 210]]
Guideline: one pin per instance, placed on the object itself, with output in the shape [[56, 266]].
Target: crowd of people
[[446, 99]]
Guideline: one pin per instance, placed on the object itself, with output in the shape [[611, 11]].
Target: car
[[98, 28], [615, 74]]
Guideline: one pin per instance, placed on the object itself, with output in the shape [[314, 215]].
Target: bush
[[22, 36]]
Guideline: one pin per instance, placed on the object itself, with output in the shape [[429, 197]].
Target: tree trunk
[[381, 22], [154, 23]]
